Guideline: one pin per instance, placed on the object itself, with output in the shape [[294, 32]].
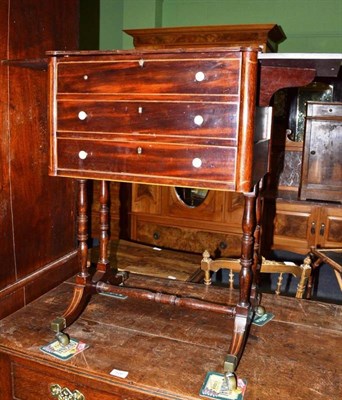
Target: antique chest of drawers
[[175, 118]]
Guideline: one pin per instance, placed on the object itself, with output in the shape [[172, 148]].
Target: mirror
[[190, 196]]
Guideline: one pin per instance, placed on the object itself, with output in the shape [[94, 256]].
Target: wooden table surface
[[167, 351]]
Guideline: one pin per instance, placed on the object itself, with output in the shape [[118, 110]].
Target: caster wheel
[[259, 311], [231, 381], [63, 338]]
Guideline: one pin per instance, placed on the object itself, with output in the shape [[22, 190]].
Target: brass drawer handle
[[65, 393]]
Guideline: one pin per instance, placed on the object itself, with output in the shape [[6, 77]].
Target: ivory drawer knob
[[199, 76], [82, 115], [82, 155], [198, 120], [197, 162]]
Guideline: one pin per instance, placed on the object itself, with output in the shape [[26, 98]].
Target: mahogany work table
[[172, 117], [167, 351]]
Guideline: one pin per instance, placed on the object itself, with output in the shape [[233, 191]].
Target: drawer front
[[34, 382], [157, 119], [186, 239], [177, 76], [172, 118], [120, 160], [330, 110]]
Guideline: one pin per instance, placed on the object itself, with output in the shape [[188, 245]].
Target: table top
[[168, 351]]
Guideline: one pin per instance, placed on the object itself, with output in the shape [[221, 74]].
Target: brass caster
[[63, 338], [231, 381], [259, 311]]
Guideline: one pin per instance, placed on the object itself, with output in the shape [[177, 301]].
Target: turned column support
[[82, 229], [103, 262], [257, 259], [247, 247]]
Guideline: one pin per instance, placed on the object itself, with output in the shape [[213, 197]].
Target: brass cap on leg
[[58, 324]]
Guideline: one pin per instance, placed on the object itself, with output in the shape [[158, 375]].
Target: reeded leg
[[244, 310]]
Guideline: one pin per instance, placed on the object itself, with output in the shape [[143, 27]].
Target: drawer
[[178, 75], [35, 382], [169, 163], [158, 119], [324, 110], [186, 239]]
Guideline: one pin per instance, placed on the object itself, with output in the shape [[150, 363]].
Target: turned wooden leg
[[306, 273], [103, 262], [82, 228], [315, 264], [83, 288], [247, 248], [205, 266], [243, 309], [103, 270], [102, 266], [257, 258]]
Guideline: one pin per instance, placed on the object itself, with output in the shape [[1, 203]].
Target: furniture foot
[[242, 321], [85, 283], [83, 288], [81, 296], [260, 310], [246, 305], [63, 338], [231, 381]]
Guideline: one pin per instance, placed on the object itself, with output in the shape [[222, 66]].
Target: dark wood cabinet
[[322, 153], [36, 212], [158, 216], [298, 225]]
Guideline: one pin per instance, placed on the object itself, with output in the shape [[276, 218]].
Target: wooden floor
[[167, 351]]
